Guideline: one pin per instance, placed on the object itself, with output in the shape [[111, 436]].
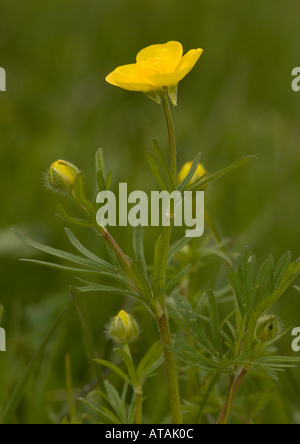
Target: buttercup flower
[[157, 67], [123, 328], [267, 328], [200, 172], [62, 175]]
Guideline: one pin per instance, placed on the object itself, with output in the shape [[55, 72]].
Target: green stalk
[[235, 385], [172, 142], [138, 391], [165, 335], [138, 405], [223, 418], [162, 318]]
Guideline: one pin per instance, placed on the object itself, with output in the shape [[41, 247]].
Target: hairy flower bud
[[266, 329], [62, 175], [123, 328], [200, 172]]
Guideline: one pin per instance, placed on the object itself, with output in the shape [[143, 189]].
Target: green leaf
[[186, 312], [262, 274], [83, 250], [62, 213], [1, 311], [191, 173], [287, 279], [115, 401], [102, 412], [188, 354], [131, 410], [58, 266], [282, 267], [136, 266], [150, 362], [114, 368], [108, 181], [271, 270], [214, 320], [58, 253], [216, 252], [99, 161], [156, 171], [163, 165], [201, 183], [20, 388], [81, 198], [129, 364], [90, 287], [101, 181], [178, 246], [234, 281], [173, 283], [138, 245]]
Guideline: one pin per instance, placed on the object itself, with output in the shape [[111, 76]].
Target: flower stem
[[223, 418], [162, 318], [172, 143], [235, 385], [164, 329], [138, 405]]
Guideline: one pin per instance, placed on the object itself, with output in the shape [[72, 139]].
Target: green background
[[237, 101]]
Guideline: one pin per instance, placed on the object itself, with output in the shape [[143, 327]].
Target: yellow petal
[[166, 79], [189, 60], [128, 77], [187, 63], [169, 54]]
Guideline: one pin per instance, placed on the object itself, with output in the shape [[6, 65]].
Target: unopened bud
[[266, 328], [123, 328], [62, 175], [200, 172]]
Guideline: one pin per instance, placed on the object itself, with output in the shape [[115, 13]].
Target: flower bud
[[266, 329], [62, 175], [123, 328], [200, 172]]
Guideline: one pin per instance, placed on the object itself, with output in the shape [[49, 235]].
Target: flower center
[[152, 66]]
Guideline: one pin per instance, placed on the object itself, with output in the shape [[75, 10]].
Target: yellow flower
[[157, 67], [200, 172], [62, 175], [267, 328], [123, 328]]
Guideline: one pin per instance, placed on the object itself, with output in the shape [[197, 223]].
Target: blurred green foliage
[[237, 101]]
